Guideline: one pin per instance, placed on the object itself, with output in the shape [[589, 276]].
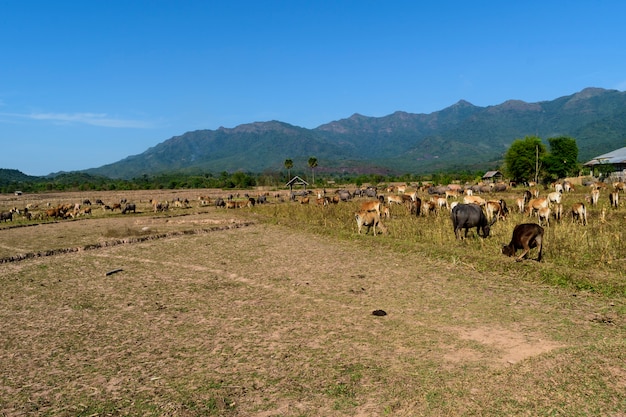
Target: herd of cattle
[[478, 206], [477, 212], [33, 211]]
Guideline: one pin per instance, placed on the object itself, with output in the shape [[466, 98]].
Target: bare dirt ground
[[225, 315]]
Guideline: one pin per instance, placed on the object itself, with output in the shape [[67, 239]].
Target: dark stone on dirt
[[379, 313]]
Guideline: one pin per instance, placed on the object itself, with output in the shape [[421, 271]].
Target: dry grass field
[[267, 311]]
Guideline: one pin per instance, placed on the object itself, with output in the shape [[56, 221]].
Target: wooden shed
[[493, 176], [296, 181]]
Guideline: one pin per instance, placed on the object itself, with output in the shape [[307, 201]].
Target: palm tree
[[288, 166], [313, 164]]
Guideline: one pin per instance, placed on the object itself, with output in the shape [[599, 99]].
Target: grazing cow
[[394, 199], [156, 206], [415, 207], [527, 196], [371, 192], [85, 211], [428, 207], [595, 196], [6, 215], [567, 187], [406, 198], [534, 192], [344, 195], [579, 213], [372, 206], [369, 219], [468, 216], [496, 210], [558, 212], [544, 216], [499, 187], [238, 204], [486, 189], [412, 194], [554, 197], [558, 187], [614, 199], [128, 208], [55, 212], [535, 204], [472, 199], [322, 201], [525, 236], [452, 193], [441, 202]]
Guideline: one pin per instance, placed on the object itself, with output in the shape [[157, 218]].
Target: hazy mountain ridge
[[460, 136]]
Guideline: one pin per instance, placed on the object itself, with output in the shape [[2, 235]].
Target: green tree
[[562, 161], [288, 166], [523, 159], [312, 165]]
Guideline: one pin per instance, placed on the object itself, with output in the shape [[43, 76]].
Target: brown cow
[[394, 199], [535, 204], [544, 216], [614, 199], [369, 219], [595, 196], [558, 212], [372, 206], [579, 212], [473, 199], [496, 209], [525, 236]]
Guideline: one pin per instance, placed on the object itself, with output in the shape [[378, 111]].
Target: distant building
[[616, 158], [493, 176], [296, 181]]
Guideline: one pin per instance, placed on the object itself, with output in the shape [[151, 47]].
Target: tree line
[[529, 159]]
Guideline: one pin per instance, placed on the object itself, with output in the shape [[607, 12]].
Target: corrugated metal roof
[[617, 156], [491, 174]]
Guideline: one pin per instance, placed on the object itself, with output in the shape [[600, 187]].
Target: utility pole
[[536, 164]]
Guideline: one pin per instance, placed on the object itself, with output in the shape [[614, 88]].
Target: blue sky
[[87, 83]]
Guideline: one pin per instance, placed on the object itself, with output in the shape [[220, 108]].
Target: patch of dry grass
[[275, 319]]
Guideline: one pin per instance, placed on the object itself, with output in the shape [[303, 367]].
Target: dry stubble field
[[241, 313]]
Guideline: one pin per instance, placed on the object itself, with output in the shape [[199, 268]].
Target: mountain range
[[460, 137]]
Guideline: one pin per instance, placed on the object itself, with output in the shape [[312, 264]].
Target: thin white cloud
[[93, 119]]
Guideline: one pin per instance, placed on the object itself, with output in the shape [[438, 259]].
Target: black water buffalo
[[7, 215], [128, 208], [525, 236], [371, 192], [344, 195], [468, 216]]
